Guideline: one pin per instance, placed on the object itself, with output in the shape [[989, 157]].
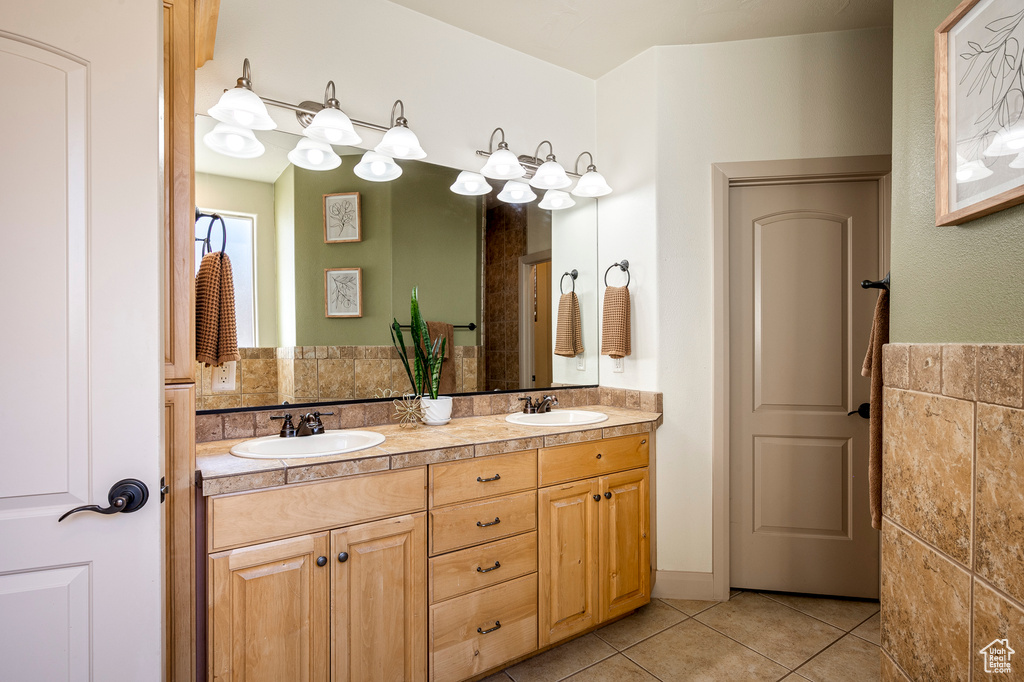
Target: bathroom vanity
[[443, 553]]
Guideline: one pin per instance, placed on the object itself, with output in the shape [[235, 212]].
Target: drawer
[[478, 567], [471, 524], [461, 647], [249, 517], [472, 479], [593, 458]]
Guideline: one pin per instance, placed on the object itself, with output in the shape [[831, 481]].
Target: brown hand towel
[[216, 335], [873, 368], [447, 331], [569, 331], [615, 339]]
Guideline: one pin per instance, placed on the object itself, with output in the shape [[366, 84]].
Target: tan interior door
[[542, 346], [799, 325]]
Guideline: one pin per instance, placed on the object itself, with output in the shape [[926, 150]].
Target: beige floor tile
[[690, 607], [648, 620], [845, 614], [851, 659], [771, 629], [793, 677], [870, 629], [497, 677], [692, 652], [562, 661], [618, 668]]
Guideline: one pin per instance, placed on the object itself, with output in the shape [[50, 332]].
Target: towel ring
[[622, 265], [574, 274], [214, 217]]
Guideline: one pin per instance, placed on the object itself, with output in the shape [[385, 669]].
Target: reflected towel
[[447, 331], [569, 331], [873, 368], [216, 334], [615, 340]]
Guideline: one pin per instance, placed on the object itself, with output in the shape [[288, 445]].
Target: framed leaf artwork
[[343, 292], [342, 218]]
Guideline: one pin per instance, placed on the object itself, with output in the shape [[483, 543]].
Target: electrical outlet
[[223, 377], [581, 363], [617, 365]]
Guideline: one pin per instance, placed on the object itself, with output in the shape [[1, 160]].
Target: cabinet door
[[625, 566], [379, 595], [567, 559], [269, 612]]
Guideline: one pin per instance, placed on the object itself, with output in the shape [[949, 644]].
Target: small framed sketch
[[343, 292], [342, 218], [979, 110]]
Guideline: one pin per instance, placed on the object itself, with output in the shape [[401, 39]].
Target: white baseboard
[[683, 585]]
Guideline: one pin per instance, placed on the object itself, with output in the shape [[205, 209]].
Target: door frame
[[525, 320], [725, 176]]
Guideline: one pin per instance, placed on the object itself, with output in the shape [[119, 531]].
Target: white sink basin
[[557, 418], [320, 445]]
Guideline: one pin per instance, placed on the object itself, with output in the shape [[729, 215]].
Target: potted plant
[[425, 373]]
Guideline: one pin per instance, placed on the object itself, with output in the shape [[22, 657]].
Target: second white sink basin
[[320, 445], [557, 418]]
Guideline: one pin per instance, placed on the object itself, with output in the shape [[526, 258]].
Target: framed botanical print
[[343, 292], [342, 218], [979, 110]]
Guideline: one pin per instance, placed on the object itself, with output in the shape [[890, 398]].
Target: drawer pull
[[599, 455], [497, 564], [643, 442], [497, 625], [495, 522], [495, 477]]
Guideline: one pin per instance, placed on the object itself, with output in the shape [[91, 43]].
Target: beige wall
[[220, 193]]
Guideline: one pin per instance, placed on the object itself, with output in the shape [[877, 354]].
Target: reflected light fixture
[[314, 155], [1017, 163], [241, 107], [399, 142], [331, 125], [1007, 141], [556, 199], [231, 140], [377, 167], [502, 164], [550, 174], [592, 184], [471, 184], [516, 192], [969, 171]]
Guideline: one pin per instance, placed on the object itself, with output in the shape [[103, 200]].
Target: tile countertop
[[219, 472]]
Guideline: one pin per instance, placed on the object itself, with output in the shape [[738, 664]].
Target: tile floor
[[752, 637]]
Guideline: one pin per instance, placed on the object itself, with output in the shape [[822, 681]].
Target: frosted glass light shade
[[516, 192], [471, 184], [231, 140], [550, 175], [313, 155], [242, 108], [401, 143], [1007, 142], [503, 165], [332, 126], [556, 199], [592, 184], [377, 167]]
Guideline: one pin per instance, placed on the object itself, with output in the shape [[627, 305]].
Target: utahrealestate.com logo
[[997, 656]]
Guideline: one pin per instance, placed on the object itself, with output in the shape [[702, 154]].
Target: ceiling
[[592, 37]]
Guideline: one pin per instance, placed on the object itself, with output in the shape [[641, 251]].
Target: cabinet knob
[[607, 496], [597, 498], [599, 455], [343, 557], [321, 561]]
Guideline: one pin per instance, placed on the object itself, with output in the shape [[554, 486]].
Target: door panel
[[799, 326], [625, 564]]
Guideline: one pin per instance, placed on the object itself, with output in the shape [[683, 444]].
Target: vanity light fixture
[[377, 167], [314, 155], [471, 184], [399, 142], [550, 174], [242, 107], [516, 192], [331, 125], [231, 140], [556, 199], [502, 164], [592, 184]]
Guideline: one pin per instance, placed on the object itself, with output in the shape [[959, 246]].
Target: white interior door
[[799, 324], [82, 362]]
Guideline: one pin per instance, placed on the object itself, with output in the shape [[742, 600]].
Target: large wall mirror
[[318, 281]]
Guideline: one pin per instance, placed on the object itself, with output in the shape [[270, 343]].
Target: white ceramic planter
[[437, 411]]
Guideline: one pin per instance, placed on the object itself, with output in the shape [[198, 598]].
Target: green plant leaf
[[396, 329]]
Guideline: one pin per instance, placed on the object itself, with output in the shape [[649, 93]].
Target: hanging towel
[[873, 368], [615, 339], [216, 335], [569, 331], [447, 331]]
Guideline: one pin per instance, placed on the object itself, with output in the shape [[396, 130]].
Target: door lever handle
[[864, 411], [125, 496]]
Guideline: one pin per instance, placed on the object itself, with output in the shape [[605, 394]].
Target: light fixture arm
[[246, 80], [551, 152], [401, 120], [501, 145], [329, 99], [590, 167]]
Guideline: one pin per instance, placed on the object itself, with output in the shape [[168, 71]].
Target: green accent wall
[[959, 284]]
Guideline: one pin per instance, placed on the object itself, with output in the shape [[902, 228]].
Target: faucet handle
[[288, 429], [551, 399], [529, 407]]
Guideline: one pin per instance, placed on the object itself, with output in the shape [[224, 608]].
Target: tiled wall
[[211, 427], [953, 509], [506, 242], [272, 376]]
